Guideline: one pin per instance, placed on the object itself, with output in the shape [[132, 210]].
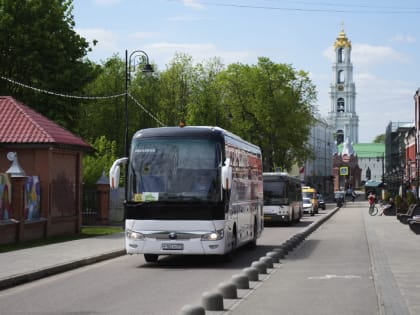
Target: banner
[[5, 197], [32, 198]]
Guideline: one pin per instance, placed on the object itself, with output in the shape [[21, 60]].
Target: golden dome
[[342, 40]]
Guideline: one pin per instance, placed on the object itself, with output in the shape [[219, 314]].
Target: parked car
[[321, 202], [308, 206], [311, 193]]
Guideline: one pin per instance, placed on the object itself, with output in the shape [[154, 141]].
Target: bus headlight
[[132, 235], [213, 236]]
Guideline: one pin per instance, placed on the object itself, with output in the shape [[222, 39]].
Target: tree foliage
[[268, 104], [39, 47], [380, 138], [101, 161]]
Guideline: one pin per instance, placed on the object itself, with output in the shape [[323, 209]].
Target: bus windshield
[[172, 170], [308, 194], [275, 192]]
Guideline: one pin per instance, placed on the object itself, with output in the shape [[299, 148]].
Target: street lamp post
[[130, 65]]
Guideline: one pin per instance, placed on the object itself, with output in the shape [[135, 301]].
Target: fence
[[90, 212]]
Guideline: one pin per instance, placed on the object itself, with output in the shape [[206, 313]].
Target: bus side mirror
[[227, 175], [114, 172]]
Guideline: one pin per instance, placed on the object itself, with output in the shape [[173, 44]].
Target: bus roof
[[204, 131]]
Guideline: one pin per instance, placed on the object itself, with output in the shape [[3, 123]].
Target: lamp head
[[147, 68]]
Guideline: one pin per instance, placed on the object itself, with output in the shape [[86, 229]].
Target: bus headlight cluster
[[132, 235], [213, 236]]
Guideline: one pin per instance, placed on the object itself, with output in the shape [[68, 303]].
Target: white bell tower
[[342, 115]]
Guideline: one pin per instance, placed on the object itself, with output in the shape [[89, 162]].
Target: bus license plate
[[172, 246]]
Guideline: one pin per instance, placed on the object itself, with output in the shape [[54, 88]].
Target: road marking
[[328, 277]]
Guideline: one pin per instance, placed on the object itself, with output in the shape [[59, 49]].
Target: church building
[[342, 115]]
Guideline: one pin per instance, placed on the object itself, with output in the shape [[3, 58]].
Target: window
[[340, 136], [340, 55], [340, 76], [340, 105]]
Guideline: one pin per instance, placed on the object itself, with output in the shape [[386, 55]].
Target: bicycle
[[373, 210]]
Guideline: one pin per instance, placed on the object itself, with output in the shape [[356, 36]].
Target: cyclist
[[371, 199]]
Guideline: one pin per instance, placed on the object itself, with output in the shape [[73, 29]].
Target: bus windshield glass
[[275, 192], [308, 194], [173, 170]]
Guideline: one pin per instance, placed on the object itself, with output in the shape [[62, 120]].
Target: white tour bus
[[282, 198], [191, 190]]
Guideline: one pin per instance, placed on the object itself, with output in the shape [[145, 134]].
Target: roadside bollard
[[260, 266], [192, 310], [268, 261], [228, 290], [288, 246], [281, 252], [212, 301], [251, 273], [241, 281], [297, 239], [275, 256]]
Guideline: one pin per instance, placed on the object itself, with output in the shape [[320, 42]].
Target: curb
[[53, 270], [213, 300]]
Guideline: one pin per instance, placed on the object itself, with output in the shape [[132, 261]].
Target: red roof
[[21, 124]]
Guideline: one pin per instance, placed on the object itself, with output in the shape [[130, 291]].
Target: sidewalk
[[331, 272], [26, 265]]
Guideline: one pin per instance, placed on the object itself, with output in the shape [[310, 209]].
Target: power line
[[61, 94], [146, 110], [82, 97], [375, 10]]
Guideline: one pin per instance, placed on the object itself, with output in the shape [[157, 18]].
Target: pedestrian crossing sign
[[344, 171]]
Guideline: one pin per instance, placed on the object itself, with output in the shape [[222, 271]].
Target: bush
[[411, 199], [387, 195], [398, 202]]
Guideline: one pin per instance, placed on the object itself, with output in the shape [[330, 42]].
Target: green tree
[[175, 89], [270, 105], [101, 160], [379, 138], [105, 117], [205, 106], [39, 47]]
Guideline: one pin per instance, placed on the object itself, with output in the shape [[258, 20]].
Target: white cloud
[[403, 38], [365, 55], [377, 102], [107, 3], [180, 18], [142, 35], [107, 40], [193, 4], [163, 52]]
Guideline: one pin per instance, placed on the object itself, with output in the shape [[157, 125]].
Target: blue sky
[[385, 40]]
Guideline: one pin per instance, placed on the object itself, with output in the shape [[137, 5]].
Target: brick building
[[54, 155]]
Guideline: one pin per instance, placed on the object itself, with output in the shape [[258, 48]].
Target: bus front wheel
[[151, 257], [231, 254]]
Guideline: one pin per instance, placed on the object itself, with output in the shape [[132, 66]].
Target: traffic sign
[[344, 171]]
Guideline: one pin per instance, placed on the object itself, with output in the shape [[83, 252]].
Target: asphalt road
[[129, 285]]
